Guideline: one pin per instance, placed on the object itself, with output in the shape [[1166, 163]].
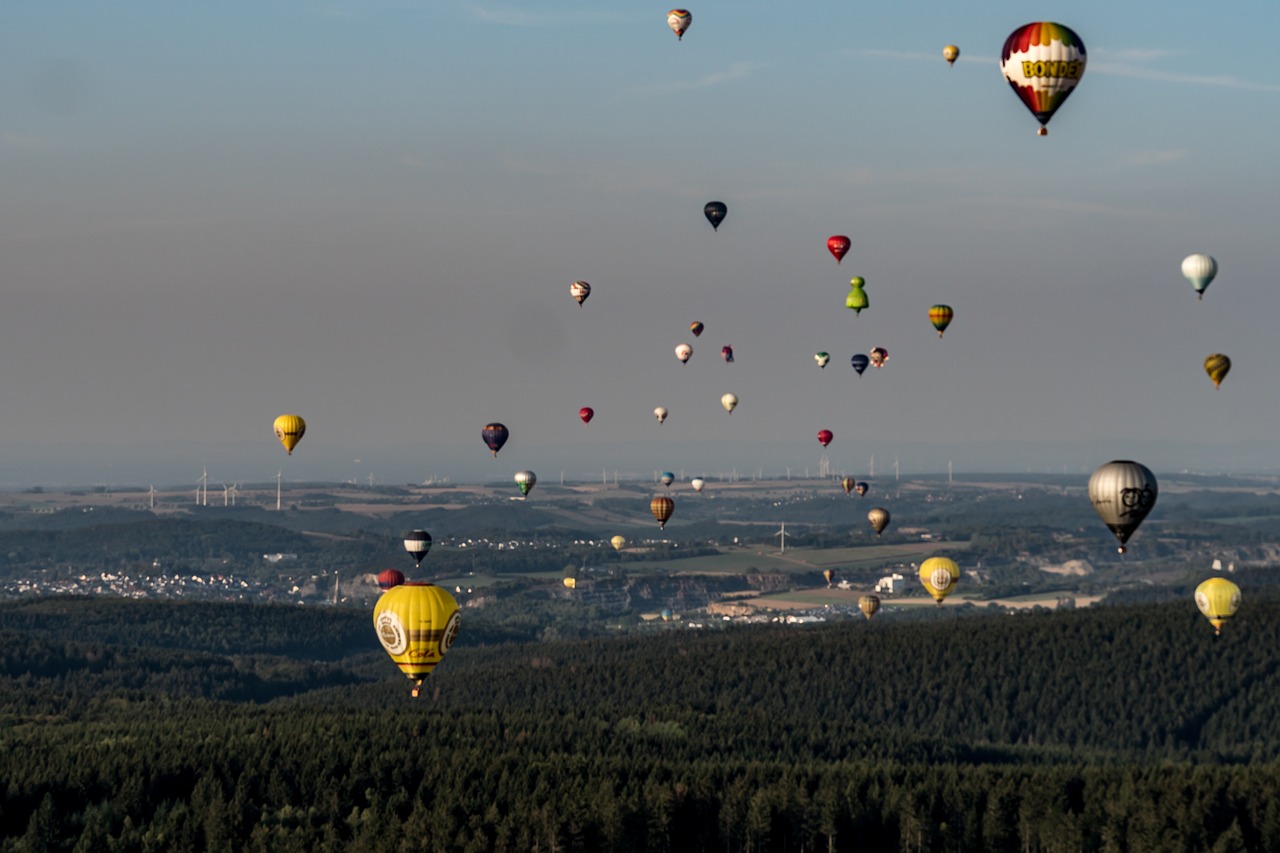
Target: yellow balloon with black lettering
[[1218, 599], [416, 623], [939, 576], [289, 429]]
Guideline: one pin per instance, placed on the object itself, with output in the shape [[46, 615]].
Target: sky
[[369, 214]]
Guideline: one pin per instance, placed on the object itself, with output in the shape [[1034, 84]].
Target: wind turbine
[[152, 495], [278, 474], [782, 532]]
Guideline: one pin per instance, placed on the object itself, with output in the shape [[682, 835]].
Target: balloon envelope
[[580, 290], [586, 413], [951, 53], [698, 484], [526, 480], [662, 507], [726, 353], [1217, 365], [417, 543], [289, 430], [715, 212], [683, 351], [879, 355], [679, 21], [861, 488], [825, 436], [416, 624], [1218, 599], [1043, 62], [667, 478], [617, 542], [838, 245], [696, 327], [940, 316], [848, 483], [388, 578], [1200, 271], [869, 605], [879, 518], [829, 575], [660, 413], [939, 576], [822, 358], [495, 435], [730, 402], [860, 362], [1122, 493]]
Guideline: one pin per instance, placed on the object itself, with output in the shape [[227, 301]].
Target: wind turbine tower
[[782, 532]]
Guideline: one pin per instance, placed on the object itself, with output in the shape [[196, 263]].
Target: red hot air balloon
[[388, 578], [825, 436], [586, 413], [838, 245], [727, 353]]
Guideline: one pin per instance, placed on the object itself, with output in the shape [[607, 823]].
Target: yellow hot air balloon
[[571, 583], [829, 575], [617, 542], [1218, 599], [662, 507], [869, 605], [289, 429], [939, 576], [1217, 366], [416, 623], [879, 518], [951, 53]]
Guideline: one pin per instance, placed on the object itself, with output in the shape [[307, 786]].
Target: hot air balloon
[[1043, 62], [857, 298], [660, 413], [951, 53], [679, 21], [1199, 270], [726, 352], [416, 623], [829, 575], [822, 358], [662, 507], [618, 542], [1218, 599], [417, 543], [696, 327], [879, 518], [683, 351], [715, 212], [667, 478], [698, 484], [526, 480], [580, 290], [940, 316], [861, 488], [289, 429], [860, 363], [879, 355], [825, 436], [570, 583], [495, 435], [1217, 366], [1122, 493], [939, 576], [730, 402], [586, 413], [838, 245], [388, 578], [848, 484], [869, 605]]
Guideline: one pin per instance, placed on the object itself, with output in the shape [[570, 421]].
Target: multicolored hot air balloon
[[726, 352], [848, 483], [586, 413], [1217, 365], [838, 245], [879, 355], [696, 327], [715, 212], [660, 413], [857, 298], [879, 518], [730, 402], [1122, 493], [662, 507], [951, 53], [860, 363], [580, 290], [939, 576], [822, 358], [526, 480], [416, 623], [829, 575], [388, 578], [861, 488], [825, 436], [940, 316], [1218, 599], [289, 430], [667, 478], [495, 435], [869, 605], [1043, 63], [1199, 270], [683, 352], [417, 543], [679, 21]]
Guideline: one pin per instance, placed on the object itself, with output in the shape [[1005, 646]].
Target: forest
[[157, 725]]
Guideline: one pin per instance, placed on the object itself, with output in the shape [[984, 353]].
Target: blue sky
[[369, 213]]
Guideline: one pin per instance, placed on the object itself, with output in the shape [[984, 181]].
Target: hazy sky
[[369, 213]]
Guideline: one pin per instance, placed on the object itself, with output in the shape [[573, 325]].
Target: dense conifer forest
[[201, 726]]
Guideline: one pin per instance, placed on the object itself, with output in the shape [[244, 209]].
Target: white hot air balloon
[[697, 483], [660, 413], [683, 351], [730, 402], [1199, 270], [1122, 493]]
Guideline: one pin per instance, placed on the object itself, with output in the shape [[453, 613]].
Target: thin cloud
[[1222, 81]]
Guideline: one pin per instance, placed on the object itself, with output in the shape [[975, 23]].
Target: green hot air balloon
[[857, 298]]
